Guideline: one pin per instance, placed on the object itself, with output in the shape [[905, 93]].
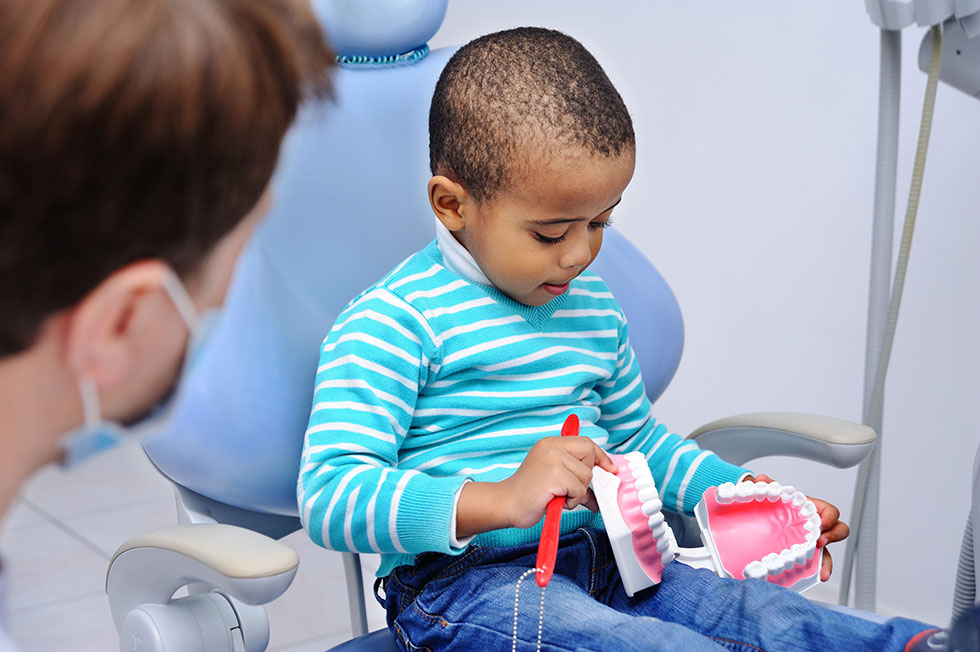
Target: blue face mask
[[97, 434]]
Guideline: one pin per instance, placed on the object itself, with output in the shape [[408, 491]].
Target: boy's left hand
[[831, 529]]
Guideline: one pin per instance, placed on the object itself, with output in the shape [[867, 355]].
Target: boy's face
[[533, 238]]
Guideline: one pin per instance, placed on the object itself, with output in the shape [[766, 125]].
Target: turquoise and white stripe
[[428, 379]]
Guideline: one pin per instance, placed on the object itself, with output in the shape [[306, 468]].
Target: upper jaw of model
[[758, 530], [642, 541]]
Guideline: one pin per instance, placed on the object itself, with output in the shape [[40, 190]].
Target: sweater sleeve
[[680, 468], [352, 495]]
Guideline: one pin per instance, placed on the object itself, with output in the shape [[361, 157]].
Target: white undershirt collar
[[457, 258]]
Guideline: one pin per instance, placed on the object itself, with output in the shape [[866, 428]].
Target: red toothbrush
[[548, 547]]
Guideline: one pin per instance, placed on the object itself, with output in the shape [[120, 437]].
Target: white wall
[[755, 125]]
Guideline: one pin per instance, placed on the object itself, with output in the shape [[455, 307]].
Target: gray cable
[[965, 590]]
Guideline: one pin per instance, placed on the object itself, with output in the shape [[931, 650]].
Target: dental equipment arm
[[243, 569], [745, 437]]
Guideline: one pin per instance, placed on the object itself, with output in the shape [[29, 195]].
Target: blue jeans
[[466, 603]]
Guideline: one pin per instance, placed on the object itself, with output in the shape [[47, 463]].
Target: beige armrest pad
[[232, 551], [828, 429]]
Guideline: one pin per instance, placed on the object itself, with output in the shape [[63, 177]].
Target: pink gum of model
[[645, 544]]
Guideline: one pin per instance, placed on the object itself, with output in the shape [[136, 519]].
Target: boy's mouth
[[555, 289]]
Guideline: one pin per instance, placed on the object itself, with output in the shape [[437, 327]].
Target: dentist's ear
[[117, 326], [449, 201]]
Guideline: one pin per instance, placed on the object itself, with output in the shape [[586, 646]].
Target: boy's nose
[[578, 254]]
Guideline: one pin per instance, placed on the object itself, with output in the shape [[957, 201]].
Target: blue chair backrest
[[350, 203]]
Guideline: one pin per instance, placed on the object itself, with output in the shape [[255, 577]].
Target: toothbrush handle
[[548, 546]]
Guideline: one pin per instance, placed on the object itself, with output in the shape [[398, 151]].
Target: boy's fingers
[[588, 452], [603, 461], [831, 526], [827, 567], [590, 501], [577, 495], [838, 532]]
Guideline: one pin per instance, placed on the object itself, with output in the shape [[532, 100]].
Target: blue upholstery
[[379, 641]]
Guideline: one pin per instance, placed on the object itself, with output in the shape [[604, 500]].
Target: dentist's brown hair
[[137, 129]]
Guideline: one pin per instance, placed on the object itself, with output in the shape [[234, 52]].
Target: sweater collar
[[459, 260]]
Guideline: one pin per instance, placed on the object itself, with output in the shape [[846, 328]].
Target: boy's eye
[[545, 239], [601, 225]]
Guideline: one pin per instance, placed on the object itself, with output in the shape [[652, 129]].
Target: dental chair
[[350, 203]]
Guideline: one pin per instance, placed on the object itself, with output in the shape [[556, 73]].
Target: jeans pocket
[[405, 641], [416, 624]]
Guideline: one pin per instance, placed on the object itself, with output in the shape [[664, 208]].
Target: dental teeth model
[[757, 530], [761, 530]]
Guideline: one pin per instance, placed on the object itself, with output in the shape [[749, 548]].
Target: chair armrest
[[243, 564], [745, 437]]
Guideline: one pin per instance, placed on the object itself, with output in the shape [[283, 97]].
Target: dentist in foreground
[[137, 140]]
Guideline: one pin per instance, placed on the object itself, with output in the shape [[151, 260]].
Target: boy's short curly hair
[[506, 97]]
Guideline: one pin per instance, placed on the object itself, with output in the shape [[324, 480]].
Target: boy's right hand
[[555, 466]]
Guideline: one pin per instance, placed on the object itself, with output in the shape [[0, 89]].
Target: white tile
[[80, 625], [45, 564], [111, 527], [315, 605], [19, 516], [118, 477]]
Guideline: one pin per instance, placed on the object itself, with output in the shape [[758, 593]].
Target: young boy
[[441, 387]]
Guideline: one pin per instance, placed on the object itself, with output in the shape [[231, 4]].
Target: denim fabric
[[466, 603]]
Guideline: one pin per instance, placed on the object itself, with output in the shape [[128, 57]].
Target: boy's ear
[[448, 200], [101, 339]]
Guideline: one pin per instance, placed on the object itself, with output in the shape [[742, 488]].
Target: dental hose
[[865, 507]]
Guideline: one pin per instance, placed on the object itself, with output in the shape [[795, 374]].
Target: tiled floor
[[57, 541]]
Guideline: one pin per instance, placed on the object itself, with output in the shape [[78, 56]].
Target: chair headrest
[[379, 28]]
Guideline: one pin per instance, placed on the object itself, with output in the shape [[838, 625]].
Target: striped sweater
[[429, 378]]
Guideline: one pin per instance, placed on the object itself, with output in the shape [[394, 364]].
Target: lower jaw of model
[[752, 530]]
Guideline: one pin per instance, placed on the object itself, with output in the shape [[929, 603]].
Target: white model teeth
[[774, 563], [755, 570], [652, 506], [798, 554], [647, 493], [774, 492], [788, 492], [645, 483], [745, 492], [726, 493], [802, 552]]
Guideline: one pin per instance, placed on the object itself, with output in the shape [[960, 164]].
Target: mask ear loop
[[91, 411], [181, 299]]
